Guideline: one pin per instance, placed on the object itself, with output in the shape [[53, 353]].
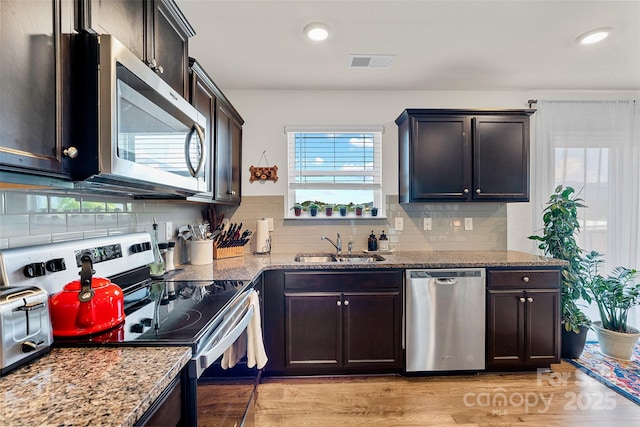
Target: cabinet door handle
[[346, 302], [529, 299], [338, 303], [525, 279], [522, 299], [465, 191], [71, 152], [153, 64], [478, 191]]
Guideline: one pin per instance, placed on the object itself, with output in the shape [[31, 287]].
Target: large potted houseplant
[[614, 295], [558, 241]]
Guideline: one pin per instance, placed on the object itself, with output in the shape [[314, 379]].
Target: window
[[337, 165], [593, 146]]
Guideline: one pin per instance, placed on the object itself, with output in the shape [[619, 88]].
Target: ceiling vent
[[370, 61]]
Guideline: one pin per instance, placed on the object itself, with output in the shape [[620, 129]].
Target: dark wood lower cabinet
[[339, 323], [523, 324]]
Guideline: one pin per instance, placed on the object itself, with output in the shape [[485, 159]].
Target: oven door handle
[[231, 329]]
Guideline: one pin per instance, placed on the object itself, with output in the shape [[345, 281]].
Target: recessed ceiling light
[[317, 31], [594, 36]]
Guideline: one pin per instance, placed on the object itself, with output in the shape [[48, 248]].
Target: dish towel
[[249, 342], [234, 353], [256, 356]]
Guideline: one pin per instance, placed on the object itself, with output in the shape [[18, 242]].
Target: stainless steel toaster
[[25, 325]]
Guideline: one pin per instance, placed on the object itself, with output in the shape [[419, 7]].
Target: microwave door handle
[[203, 150]]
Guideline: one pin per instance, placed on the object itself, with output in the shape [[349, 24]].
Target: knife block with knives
[[231, 242]]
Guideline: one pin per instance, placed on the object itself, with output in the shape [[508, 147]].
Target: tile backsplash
[[31, 217], [303, 235]]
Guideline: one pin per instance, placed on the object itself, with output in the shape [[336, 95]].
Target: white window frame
[[375, 173]]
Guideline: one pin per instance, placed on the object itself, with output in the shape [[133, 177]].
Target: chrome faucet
[[337, 244]]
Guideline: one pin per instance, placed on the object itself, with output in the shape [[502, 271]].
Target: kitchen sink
[[314, 258], [360, 259], [347, 259]]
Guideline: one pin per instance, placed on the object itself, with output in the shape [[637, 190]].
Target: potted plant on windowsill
[[328, 210], [297, 209], [358, 209], [343, 210], [614, 295], [558, 241], [313, 209]]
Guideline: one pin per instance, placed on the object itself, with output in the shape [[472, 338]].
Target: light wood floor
[[564, 397]]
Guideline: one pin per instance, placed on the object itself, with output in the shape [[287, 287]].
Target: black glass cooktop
[[166, 313]]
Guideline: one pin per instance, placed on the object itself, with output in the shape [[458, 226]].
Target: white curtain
[[594, 147]]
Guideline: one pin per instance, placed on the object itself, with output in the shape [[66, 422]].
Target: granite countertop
[[248, 267], [89, 386]]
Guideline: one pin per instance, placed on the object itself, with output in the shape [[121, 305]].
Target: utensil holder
[[201, 252]]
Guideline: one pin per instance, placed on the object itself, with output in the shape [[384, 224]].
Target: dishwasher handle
[[447, 280]]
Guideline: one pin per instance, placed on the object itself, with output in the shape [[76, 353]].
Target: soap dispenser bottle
[[372, 243], [383, 243]]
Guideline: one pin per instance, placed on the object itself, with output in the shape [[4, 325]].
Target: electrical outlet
[[270, 223], [468, 224], [426, 224], [399, 226], [168, 230]]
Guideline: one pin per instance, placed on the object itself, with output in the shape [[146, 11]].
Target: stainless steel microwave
[[130, 132]]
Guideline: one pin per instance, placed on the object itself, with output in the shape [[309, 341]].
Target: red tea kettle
[[86, 306]]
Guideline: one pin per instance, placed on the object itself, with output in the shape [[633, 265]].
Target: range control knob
[[137, 328], [28, 346], [35, 269], [146, 321], [57, 264]]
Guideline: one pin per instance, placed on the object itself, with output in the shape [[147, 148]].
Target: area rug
[[619, 375]]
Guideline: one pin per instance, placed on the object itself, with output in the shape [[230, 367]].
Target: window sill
[[335, 217]]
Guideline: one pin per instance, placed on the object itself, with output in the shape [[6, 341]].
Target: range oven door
[[234, 323], [212, 347]]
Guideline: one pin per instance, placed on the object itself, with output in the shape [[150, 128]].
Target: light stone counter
[[249, 267], [89, 386]]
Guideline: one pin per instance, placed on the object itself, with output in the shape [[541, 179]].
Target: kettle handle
[[86, 272]]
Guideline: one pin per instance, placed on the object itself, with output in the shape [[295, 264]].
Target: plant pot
[[313, 211], [374, 211], [572, 343], [617, 344], [358, 211], [297, 211], [343, 211], [328, 211]]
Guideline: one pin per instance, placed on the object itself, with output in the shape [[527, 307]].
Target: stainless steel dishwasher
[[445, 319]]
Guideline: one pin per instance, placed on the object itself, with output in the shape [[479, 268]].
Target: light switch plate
[[168, 230], [426, 224], [468, 224], [399, 225]]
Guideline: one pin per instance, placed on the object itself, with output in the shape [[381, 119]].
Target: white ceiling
[[439, 45]]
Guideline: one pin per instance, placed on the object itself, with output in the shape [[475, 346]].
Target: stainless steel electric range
[[207, 316]]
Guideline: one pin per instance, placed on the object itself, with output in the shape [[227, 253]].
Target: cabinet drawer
[[332, 280], [523, 279]]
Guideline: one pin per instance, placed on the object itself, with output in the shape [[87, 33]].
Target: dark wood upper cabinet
[[155, 30], [228, 154], [463, 155], [32, 87], [224, 135]]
